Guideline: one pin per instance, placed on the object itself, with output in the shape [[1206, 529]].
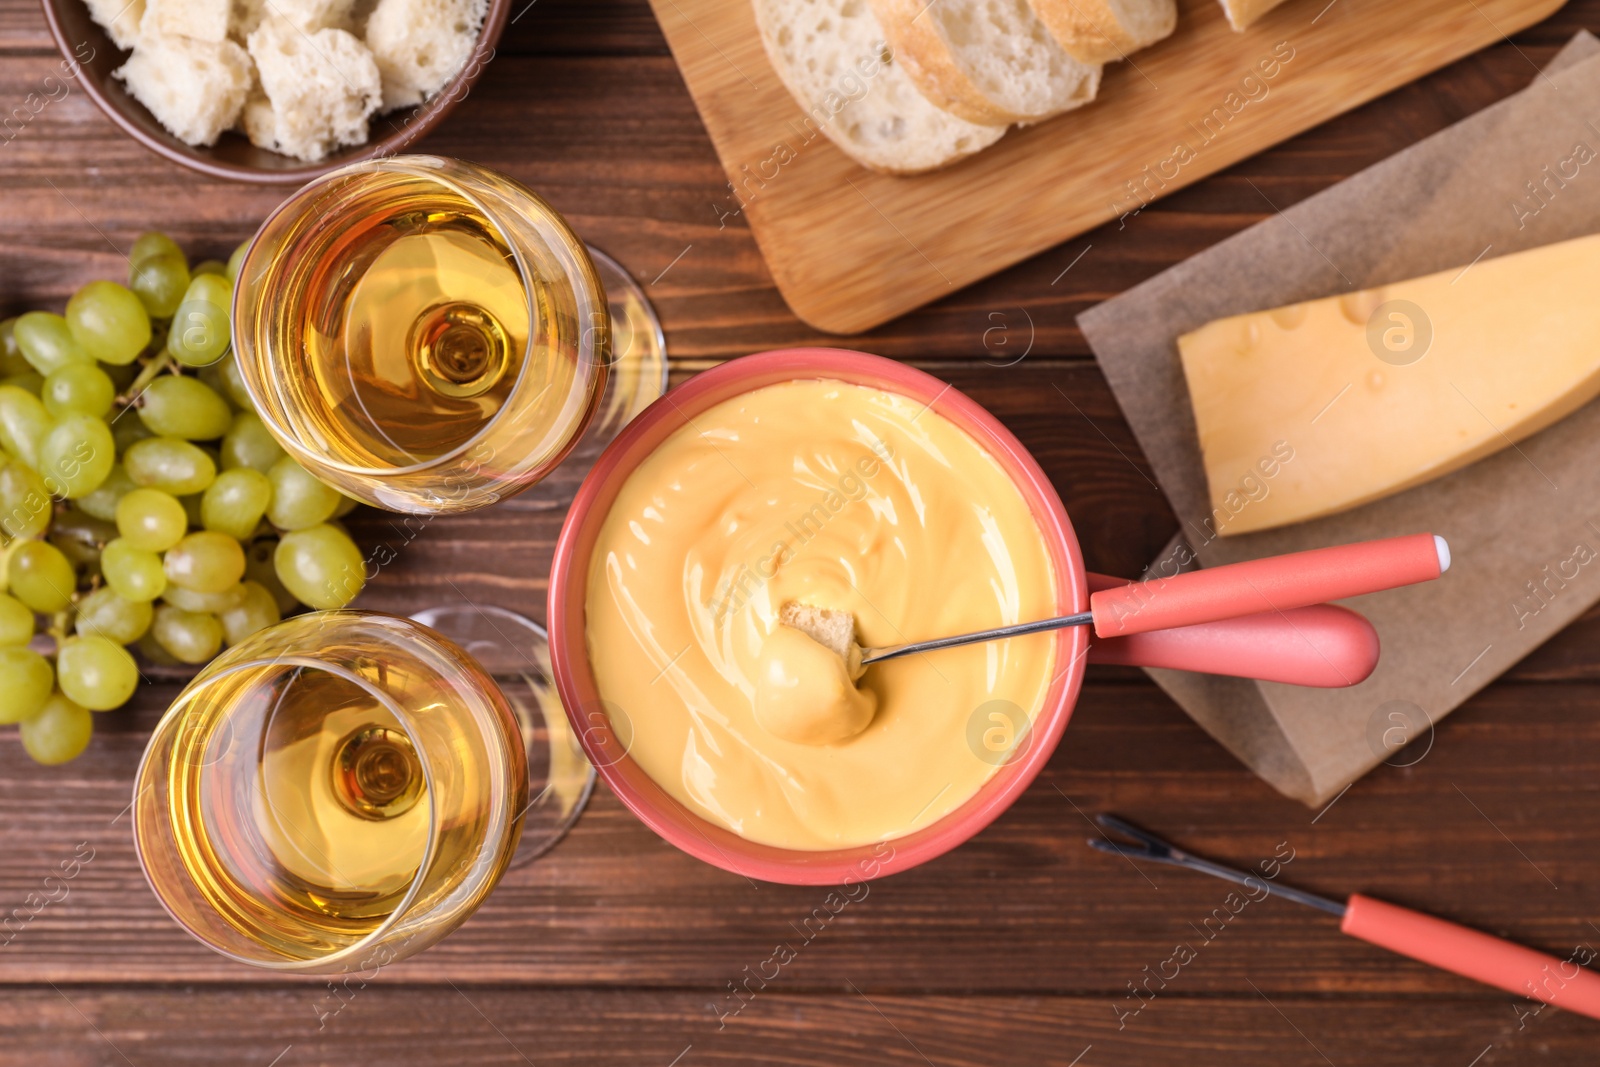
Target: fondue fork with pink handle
[[1263, 618], [1445, 945]]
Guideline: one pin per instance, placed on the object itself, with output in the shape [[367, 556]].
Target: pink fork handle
[[1276, 583], [1323, 646], [1474, 954]]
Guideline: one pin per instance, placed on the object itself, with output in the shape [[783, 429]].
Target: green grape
[[347, 504], [80, 538], [321, 566], [26, 680], [77, 455], [80, 388], [201, 331], [236, 259], [256, 610], [96, 672], [102, 503], [134, 573], [187, 636], [235, 502], [233, 384], [259, 568], [210, 266], [23, 424], [59, 733], [25, 503], [31, 382], [153, 243], [208, 603], [46, 342], [128, 432], [175, 406], [168, 463], [298, 499], [152, 652], [16, 621], [151, 520], [12, 361], [105, 613], [249, 443], [159, 281], [205, 562], [109, 322], [40, 576]]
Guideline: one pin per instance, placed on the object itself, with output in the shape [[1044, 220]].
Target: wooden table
[[1020, 947]]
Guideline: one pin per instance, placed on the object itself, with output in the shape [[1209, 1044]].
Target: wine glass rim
[[417, 164], [375, 936]]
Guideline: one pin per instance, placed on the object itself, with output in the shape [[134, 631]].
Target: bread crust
[[1241, 13], [925, 54], [800, 92], [1090, 32]]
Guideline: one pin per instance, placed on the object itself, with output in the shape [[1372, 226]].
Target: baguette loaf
[[833, 57], [1100, 31], [1241, 13], [988, 61]]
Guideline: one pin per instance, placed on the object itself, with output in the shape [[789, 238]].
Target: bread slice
[[200, 20], [834, 59], [988, 61], [195, 89], [1101, 31], [1241, 13], [421, 44], [119, 18], [321, 88]]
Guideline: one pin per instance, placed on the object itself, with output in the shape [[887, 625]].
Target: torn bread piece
[[834, 630], [421, 44], [119, 18], [833, 57], [988, 61], [199, 20], [196, 89], [320, 89]]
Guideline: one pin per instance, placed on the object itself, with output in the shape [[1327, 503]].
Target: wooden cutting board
[[850, 248]]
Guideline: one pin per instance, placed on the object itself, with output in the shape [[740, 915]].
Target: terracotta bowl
[[81, 41], [606, 743]]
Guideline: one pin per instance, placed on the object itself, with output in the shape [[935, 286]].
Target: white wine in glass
[[430, 336], [335, 793]]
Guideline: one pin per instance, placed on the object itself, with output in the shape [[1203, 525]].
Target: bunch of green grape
[[142, 501]]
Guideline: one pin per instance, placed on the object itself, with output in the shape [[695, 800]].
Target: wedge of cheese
[[1314, 408]]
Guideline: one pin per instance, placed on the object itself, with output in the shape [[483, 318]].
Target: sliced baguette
[[833, 58], [987, 61], [1241, 13], [1101, 31]]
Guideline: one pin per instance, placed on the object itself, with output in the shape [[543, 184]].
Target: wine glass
[[335, 793], [430, 336]]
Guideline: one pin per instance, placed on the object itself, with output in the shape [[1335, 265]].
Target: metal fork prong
[[1151, 842]]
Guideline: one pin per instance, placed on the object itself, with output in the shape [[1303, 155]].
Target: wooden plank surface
[[1016, 948], [851, 248]]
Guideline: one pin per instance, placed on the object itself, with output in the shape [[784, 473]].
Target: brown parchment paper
[[1523, 524]]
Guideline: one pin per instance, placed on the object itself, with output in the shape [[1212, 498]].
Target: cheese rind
[[1314, 408]]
